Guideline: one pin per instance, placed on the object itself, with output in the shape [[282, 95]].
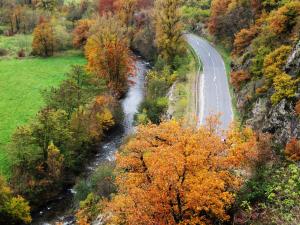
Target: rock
[[172, 100], [259, 111], [281, 121], [293, 63]]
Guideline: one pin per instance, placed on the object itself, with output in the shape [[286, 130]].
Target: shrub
[[81, 32], [292, 150], [238, 77], [21, 53], [154, 109], [297, 107], [3, 52], [43, 40], [271, 197]]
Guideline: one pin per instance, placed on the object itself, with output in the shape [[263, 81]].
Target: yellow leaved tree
[[169, 174]]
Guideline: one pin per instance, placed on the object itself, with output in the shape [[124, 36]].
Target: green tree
[[13, 210], [168, 28]]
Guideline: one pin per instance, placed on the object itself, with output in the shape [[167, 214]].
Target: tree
[[126, 10], [292, 150], [285, 87], [51, 126], [108, 54], [13, 210], [54, 162], [238, 77], [243, 39], [43, 40], [168, 174], [285, 18], [81, 32], [77, 90], [218, 9], [168, 28], [106, 6]]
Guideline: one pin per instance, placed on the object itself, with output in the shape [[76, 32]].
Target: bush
[[154, 109], [238, 77], [21, 53], [63, 38], [101, 183], [3, 52], [271, 197], [292, 150]]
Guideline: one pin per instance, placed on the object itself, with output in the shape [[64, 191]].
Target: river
[[62, 208]]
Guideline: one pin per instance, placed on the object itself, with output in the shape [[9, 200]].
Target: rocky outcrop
[[280, 120], [293, 63]]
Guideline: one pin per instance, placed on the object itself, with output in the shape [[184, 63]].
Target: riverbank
[[62, 209]]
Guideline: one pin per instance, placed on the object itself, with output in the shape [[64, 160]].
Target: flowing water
[[61, 209]]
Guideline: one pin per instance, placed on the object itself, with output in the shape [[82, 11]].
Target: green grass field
[[21, 82]]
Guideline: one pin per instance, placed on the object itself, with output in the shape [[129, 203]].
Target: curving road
[[212, 88]]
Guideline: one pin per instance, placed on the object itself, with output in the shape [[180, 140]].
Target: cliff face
[[281, 120]]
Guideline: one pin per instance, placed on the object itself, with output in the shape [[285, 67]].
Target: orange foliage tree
[[292, 150], [43, 39], [106, 6], [168, 174], [218, 8], [238, 77], [126, 10], [81, 32], [243, 39], [108, 54], [297, 107], [285, 18]]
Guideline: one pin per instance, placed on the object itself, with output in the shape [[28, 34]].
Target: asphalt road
[[212, 88]]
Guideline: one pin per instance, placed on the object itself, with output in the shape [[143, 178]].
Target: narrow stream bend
[[59, 210]]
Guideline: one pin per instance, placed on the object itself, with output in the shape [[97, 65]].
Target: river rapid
[[62, 209]]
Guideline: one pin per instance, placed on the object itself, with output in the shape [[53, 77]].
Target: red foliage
[[297, 107], [238, 77], [106, 6], [292, 150], [218, 8], [243, 39]]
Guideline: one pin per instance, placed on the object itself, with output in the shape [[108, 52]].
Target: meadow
[[15, 43], [21, 83]]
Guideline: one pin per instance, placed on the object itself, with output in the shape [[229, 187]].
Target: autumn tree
[[284, 84], [228, 17], [106, 6], [238, 77], [292, 149], [55, 162], [168, 28], [81, 32], [43, 40], [218, 8], [243, 39], [94, 119], [284, 19], [168, 174], [126, 10], [13, 209], [108, 55]]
